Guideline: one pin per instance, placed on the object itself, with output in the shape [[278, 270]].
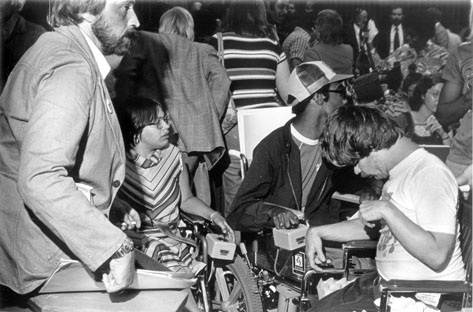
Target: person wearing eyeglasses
[[156, 185], [287, 172]]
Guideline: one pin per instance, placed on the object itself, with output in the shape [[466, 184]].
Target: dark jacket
[[274, 179], [21, 38], [382, 41]]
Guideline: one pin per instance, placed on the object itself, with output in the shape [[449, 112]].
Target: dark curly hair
[[424, 84]]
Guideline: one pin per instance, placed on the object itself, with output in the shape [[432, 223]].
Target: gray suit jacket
[[58, 127], [195, 86]]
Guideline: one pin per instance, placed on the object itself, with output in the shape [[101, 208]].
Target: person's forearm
[[450, 112], [432, 249], [342, 231], [195, 206]]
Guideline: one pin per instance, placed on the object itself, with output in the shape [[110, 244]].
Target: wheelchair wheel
[[234, 288]]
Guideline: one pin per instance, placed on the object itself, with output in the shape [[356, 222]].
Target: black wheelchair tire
[[251, 299]]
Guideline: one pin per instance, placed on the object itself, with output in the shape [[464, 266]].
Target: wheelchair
[[226, 283], [288, 284]]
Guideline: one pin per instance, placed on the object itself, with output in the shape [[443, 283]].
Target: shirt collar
[[147, 162], [100, 59], [302, 138]]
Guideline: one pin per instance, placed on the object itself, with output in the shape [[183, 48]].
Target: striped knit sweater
[[251, 64]]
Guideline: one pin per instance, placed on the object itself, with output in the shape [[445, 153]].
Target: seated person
[[428, 57], [423, 104], [287, 172], [416, 215], [156, 185]]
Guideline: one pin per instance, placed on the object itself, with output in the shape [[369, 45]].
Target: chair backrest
[[464, 217], [255, 124], [441, 151]]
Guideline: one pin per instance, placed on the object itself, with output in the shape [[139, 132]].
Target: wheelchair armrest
[[426, 286], [192, 219], [360, 244]]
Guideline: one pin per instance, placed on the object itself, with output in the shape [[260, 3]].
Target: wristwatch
[[125, 248]]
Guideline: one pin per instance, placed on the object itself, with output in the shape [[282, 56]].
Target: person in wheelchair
[[157, 185], [415, 217], [288, 172]]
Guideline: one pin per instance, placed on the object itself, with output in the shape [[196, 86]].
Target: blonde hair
[[177, 21]]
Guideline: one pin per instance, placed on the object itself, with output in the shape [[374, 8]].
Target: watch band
[[125, 248]]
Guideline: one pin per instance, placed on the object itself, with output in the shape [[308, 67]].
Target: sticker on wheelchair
[[298, 263]]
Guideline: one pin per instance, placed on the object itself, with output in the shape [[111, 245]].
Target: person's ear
[[320, 99], [136, 139], [89, 18]]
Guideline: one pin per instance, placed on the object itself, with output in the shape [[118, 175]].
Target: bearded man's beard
[[111, 43]]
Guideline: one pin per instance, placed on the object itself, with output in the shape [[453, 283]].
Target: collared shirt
[[400, 32], [296, 44], [102, 63]]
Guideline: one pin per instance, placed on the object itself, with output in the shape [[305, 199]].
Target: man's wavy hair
[[328, 26], [177, 21], [353, 132], [68, 12]]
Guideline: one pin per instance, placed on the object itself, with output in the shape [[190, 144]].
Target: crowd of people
[[141, 123]]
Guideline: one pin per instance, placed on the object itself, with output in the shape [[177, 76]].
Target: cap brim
[[339, 77]]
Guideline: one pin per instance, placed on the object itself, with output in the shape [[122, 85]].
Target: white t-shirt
[[422, 188]]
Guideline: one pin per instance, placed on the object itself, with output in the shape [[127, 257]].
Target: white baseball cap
[[308, 78]]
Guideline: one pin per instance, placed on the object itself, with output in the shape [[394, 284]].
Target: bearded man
[[60, 141]]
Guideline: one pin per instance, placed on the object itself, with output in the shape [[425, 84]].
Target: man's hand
[[283, 218], [313, 249], [122, 273], [373, 210]]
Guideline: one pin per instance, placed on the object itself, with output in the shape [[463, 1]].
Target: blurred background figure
[[328, 46], [391, 36], [277, 15], [428, 57], [423, 104], [297, 43], [443, 36], [359, 33], [17, 35]]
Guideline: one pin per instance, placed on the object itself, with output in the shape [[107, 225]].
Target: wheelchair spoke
[[235, 294]]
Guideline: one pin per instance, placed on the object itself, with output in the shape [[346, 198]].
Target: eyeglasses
[[340, 90], [160, 123]]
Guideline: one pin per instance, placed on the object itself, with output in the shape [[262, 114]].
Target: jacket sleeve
[[56, 130], [249, 213], [218, 81]]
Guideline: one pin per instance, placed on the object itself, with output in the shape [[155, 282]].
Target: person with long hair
[[257, 67], [423, 104]]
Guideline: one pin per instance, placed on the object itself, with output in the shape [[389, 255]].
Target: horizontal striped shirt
[[251, 64]]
